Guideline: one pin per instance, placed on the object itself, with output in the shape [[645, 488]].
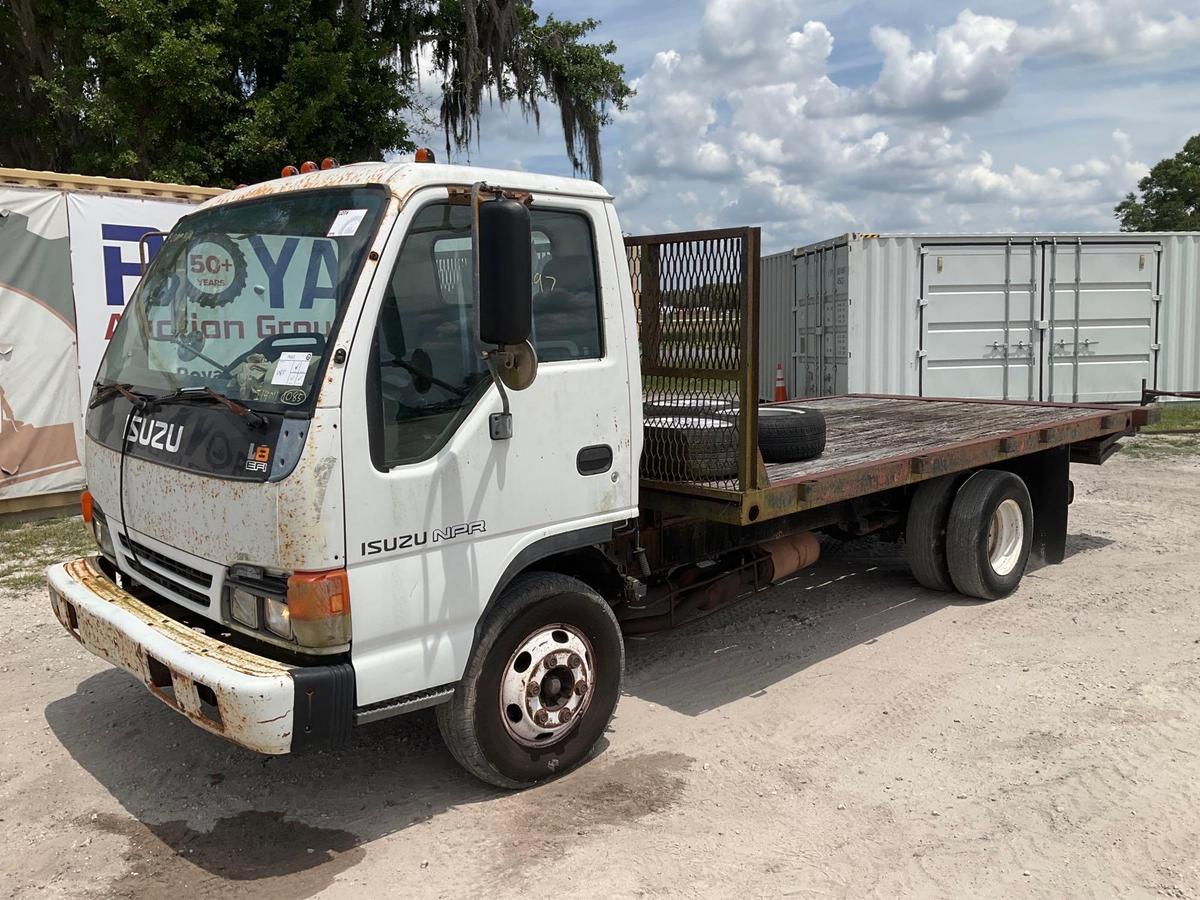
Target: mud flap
[[1048, 476]]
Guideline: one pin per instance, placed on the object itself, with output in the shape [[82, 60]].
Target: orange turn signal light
[[88, 505], [318, 595], [307, 166], [424, 155], [289, 171], [328, 163]]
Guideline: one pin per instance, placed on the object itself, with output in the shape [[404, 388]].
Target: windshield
[[242, 298]]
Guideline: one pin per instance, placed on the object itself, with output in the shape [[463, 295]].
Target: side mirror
[[505, 273]]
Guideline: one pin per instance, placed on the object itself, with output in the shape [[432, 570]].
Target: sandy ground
[[847, 734]]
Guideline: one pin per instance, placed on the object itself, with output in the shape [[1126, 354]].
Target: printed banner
[[40, 429], [105, 264]]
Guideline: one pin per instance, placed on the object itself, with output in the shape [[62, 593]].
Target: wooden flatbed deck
[[876, 443]]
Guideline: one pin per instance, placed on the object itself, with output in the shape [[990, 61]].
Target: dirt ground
[[846, 734]]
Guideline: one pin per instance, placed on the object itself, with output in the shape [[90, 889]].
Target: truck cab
[[292, 450]]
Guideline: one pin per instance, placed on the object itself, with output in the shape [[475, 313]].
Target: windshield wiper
[[108, 390], [206, 394]]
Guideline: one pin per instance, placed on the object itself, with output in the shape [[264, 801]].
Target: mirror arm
[[500, 424]]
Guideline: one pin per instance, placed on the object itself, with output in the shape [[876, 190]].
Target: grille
[[186, 572]]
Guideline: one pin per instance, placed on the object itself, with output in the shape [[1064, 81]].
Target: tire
[[681, 407], [786, 434], [689, 448], [790, 434], [925, 532], [989, 534], [479, 727]]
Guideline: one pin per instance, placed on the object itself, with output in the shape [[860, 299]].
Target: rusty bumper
[[247, 699]]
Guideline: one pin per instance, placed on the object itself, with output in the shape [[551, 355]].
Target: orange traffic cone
[[780, 386]]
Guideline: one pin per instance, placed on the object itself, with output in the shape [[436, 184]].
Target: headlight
[[102, 536], [243, 607], [278, 619]]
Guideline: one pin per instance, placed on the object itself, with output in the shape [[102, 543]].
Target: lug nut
[[533, 688], [565, 715], [574, 662], [541, 717], [581, 688]]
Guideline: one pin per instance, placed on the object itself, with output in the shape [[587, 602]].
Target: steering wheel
[[267, 348]]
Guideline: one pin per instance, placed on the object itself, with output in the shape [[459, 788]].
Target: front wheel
[[540, 687]]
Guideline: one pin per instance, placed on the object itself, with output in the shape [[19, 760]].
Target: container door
[[808, 323], [1101, 310], [822, 316], [979, 335]]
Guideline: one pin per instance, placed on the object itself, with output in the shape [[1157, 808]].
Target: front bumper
[[256, 702]]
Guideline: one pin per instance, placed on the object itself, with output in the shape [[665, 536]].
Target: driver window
[[426, 374]]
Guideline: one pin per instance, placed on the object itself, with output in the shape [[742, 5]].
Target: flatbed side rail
[[696, 294], [958, 435]]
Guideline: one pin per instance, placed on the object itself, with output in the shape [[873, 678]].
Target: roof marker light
[[328, 163], [424, 155], [289, 171], [307, 166]]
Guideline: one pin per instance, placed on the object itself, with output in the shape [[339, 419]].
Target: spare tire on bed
[[689, 448], [681, 407], [786, 433]]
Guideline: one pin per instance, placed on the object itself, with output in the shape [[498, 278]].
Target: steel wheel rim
[[1006, 536], [547, 685]]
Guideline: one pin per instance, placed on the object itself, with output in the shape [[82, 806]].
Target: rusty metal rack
[[697, 299]]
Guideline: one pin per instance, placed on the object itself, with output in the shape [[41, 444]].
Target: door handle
[[594, 460]]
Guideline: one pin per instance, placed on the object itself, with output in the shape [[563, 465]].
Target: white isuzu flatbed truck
[[389, 436]]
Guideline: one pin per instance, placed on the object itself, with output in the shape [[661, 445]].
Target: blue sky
[[816, 118]]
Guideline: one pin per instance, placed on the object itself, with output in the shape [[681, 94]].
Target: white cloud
[[1116, 29], [970, 67], [755, 108]]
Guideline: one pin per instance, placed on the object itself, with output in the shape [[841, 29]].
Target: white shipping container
[[1066, 318]]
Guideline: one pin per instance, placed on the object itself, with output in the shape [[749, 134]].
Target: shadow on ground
[[207, 816]]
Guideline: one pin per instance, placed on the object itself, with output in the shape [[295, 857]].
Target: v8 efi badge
[[257, 457]]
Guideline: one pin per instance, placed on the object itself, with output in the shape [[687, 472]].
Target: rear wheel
[[540, 687], [925, 532], [989, 534]]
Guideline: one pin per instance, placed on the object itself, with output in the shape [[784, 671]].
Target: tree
[[1168, 199], [225, 91]]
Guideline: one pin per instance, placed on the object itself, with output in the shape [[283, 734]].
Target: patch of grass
[[1162, 446], [27, 548], [1176, 415]]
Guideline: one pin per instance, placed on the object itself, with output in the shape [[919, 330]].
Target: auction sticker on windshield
[[346, 222], [291, 369]]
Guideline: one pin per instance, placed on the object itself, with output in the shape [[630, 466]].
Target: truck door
[[436, 510], [980, 335], [1101, 309]]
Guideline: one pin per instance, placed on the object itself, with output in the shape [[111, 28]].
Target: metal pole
[[1032, 309], [1075, 358], [1050, 333], [1007, 298]]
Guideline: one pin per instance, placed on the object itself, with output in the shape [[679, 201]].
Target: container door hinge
[[1043, 324], [922, 303], [1157, 298], [1156, 347], [921, 354]]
